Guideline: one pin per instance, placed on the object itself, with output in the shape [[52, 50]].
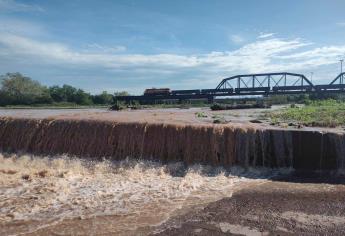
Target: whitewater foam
[[139, 193]]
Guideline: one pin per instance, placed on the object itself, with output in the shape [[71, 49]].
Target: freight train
[[167, 92], [239, 91]]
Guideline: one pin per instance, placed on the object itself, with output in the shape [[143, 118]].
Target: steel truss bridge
[[250, 84]]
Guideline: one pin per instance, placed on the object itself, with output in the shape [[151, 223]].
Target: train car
[[292, 88], [217, 91], [185, 92], [252, 90], [329, 87], [157, 92]]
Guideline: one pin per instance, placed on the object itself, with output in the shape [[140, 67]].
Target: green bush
[[200, 114], [217, 107]]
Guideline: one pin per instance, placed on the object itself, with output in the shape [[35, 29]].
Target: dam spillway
[[137, 172], [219, 145]]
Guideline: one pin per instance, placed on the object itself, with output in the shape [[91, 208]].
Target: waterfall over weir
[[224, 145]]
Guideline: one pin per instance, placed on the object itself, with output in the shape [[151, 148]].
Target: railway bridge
[[248, 84]]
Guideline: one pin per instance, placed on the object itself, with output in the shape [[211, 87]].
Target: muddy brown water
[[224, 145], [69, 196], [132, 172]]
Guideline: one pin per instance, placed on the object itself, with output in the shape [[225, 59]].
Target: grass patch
[[200, 115], [323, 113]]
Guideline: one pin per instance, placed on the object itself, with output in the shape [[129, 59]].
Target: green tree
[[69, 93], [57, 94], [81, 98], [18, 89], [103, 98], [121, 93]]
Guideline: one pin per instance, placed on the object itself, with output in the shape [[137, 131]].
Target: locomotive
[[157, 92]]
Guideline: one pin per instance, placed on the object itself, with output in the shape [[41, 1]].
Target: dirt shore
[[273, 208], [169, 116], [193, 116]]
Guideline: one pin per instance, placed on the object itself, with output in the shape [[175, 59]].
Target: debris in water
[[26, 177]]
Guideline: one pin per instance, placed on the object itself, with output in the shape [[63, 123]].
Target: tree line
[[16, 89]]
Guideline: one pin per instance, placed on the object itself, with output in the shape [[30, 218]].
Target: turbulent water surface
[[61, 195]]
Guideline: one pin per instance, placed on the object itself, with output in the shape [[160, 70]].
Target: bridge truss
[[340, 79], [251, 84], [266, 82]]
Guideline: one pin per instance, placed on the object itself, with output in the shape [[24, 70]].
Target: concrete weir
[[225, 145]]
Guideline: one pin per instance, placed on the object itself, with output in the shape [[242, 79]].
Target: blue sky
[[132, 45]]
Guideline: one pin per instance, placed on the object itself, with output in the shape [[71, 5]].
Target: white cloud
[[20, 27], [264, 36], [237, 39], [341, 24], [19, 45], [95, 47], [264, 55], [12, 5], [258, 56], [322, 52]]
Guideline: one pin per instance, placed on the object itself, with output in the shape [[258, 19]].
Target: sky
[[131, 45]]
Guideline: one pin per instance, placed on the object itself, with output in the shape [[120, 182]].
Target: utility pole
[[311, 76], [341, 70]]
